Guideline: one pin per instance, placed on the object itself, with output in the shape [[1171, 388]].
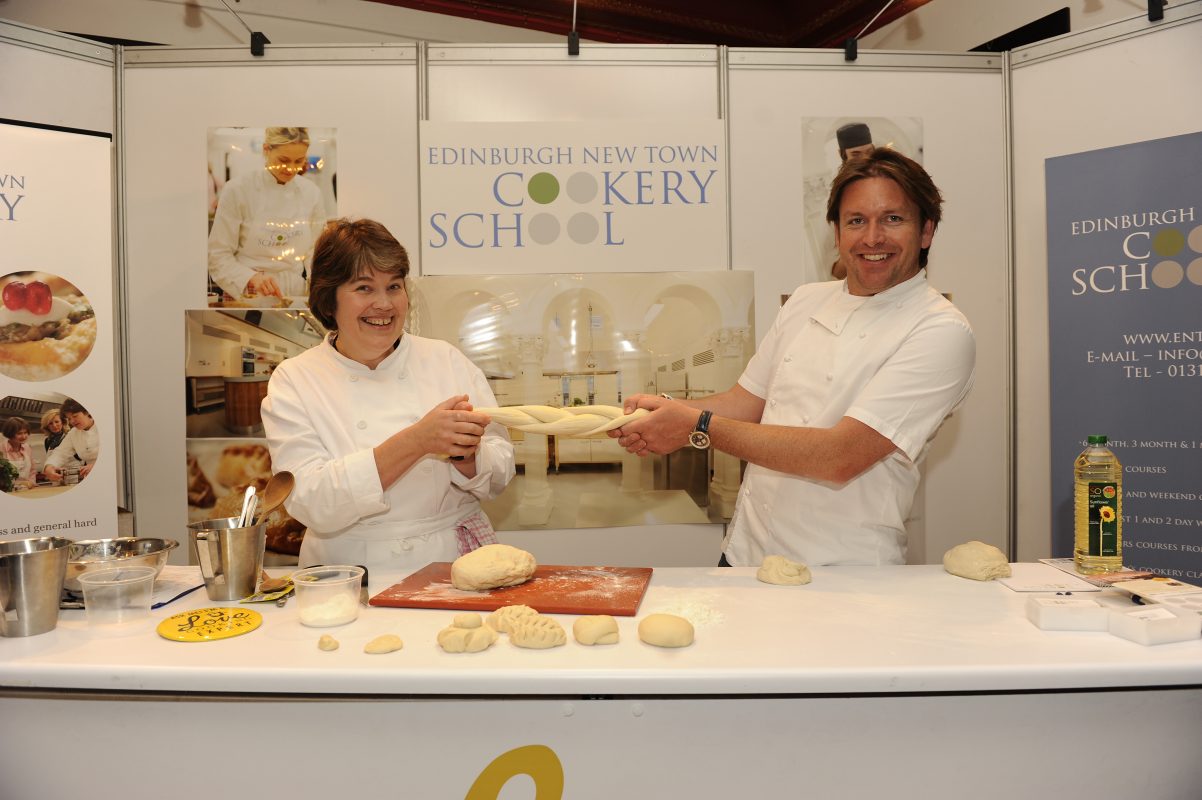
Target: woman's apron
[[401, 546]]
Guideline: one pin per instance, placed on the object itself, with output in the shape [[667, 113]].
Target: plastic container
[[117, 596], [1097, 509], [328, 595]]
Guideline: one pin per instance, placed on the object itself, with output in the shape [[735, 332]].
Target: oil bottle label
[[1103, 519]]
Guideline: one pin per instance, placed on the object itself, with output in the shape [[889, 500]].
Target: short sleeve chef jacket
[[325, 413], [900, 362]]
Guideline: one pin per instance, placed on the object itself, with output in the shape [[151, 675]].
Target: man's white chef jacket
[[323, 416], [900, 362]]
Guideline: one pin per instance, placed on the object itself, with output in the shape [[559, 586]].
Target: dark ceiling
[[735, 23]]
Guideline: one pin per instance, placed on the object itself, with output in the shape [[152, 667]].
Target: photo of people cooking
[[49, 444]]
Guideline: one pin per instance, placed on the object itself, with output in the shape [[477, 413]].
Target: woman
[[366, 419], [17, 450], [52, 426], [82, 443], [266, 222]]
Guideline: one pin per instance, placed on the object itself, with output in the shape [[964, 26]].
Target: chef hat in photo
[[853, 134]]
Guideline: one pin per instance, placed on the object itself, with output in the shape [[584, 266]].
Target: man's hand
[[664, 430]]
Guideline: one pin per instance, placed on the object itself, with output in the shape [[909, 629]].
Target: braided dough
[[578, 421]]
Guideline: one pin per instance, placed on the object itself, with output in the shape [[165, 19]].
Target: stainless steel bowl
[[91, 554]]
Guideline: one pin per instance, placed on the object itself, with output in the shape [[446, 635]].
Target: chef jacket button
[[830, 377], [361, 424], [806, 420], [862, 335], [788, 358], [404, 374], [406, 546], [772, 403], [354, 379]]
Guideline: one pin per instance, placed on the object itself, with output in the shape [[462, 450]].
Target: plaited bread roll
[[572, 421]]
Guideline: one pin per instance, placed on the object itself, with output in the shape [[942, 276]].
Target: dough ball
[[456, 639], [666, 630], [503, 618], [976, 560], [383, 644], [537, 633], [467, 621], [327, 643], [492, 566], [783, 572], [599, 629]]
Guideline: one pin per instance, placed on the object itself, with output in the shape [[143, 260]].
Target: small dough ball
[[666, 630], [467, 621], [783, 572], [537, 633], [456, 639], [503, 618], [599, 629], [976, 560], [383, 644], [327, 643], [492, 566]]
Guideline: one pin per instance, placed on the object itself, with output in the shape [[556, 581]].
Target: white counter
[[866, 681]]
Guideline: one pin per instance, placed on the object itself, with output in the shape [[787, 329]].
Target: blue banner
[[1125, 332]]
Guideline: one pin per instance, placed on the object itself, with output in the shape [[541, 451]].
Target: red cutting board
[[552, 590]]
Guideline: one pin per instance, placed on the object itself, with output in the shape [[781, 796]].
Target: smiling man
[[846, 391]]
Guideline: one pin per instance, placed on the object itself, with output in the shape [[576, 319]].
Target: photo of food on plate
[[47, 326], [270, 192], [218, 474], [48, 444]]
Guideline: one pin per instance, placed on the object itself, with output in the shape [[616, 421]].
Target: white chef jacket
[[323, 416], [900, 362], [261, 225], [77, 442]]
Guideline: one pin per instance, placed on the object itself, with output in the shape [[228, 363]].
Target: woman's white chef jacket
[[77, 442], [900, 362], [262, 225], [323, 415]]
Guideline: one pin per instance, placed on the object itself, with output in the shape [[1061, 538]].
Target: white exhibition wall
[[1124, 82], [1057, 98]]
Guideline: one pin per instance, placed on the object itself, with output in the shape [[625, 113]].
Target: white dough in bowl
[[783, 572], [976, 560], [492, 566]]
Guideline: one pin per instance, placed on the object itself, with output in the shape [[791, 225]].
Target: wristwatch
[[700, 437]]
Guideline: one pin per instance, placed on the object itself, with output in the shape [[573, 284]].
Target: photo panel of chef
[[48, 443], [270, 192], [826, 142]]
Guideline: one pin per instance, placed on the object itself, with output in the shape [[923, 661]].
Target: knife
[[364, 594]]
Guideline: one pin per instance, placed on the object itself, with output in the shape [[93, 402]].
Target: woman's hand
[[262, 284], [451, 428]]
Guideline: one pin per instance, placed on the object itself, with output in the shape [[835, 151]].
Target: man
[[845, 393], [854, 139], [82, 442]]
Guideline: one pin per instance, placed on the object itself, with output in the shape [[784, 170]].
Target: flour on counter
[[697, 610]]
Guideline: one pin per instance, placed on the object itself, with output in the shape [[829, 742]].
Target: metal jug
[[31, 584]]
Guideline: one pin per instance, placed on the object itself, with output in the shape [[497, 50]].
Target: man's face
[[879, 235], [80, 419]]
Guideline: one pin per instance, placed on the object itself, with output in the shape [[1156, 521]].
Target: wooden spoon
[[275, 493]]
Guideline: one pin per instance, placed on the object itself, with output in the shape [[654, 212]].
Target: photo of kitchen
[[50, 444]]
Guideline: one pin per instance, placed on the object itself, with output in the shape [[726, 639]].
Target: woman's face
[[55, 424], [81, 420], [370, 314], [19, 437], [286, 161]]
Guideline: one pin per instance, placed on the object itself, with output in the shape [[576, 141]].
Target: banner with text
[[529, 197], [1124, 294], [58, 457]]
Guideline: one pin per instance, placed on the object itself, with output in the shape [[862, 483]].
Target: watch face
[[699, 439]]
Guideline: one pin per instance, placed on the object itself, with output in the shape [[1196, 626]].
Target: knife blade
[[364, 594]]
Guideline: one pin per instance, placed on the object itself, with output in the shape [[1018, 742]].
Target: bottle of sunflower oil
[[1098, 509]]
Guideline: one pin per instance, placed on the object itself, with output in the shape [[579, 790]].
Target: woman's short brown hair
[[12, 426], [345, 251], [884, 162]]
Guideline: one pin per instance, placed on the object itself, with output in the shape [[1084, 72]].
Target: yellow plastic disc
[[209, 624]]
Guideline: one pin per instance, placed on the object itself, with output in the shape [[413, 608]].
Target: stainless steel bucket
[[230, 558], [31, 584]]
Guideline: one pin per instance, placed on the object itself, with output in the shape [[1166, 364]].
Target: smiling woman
[[366, 419]]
